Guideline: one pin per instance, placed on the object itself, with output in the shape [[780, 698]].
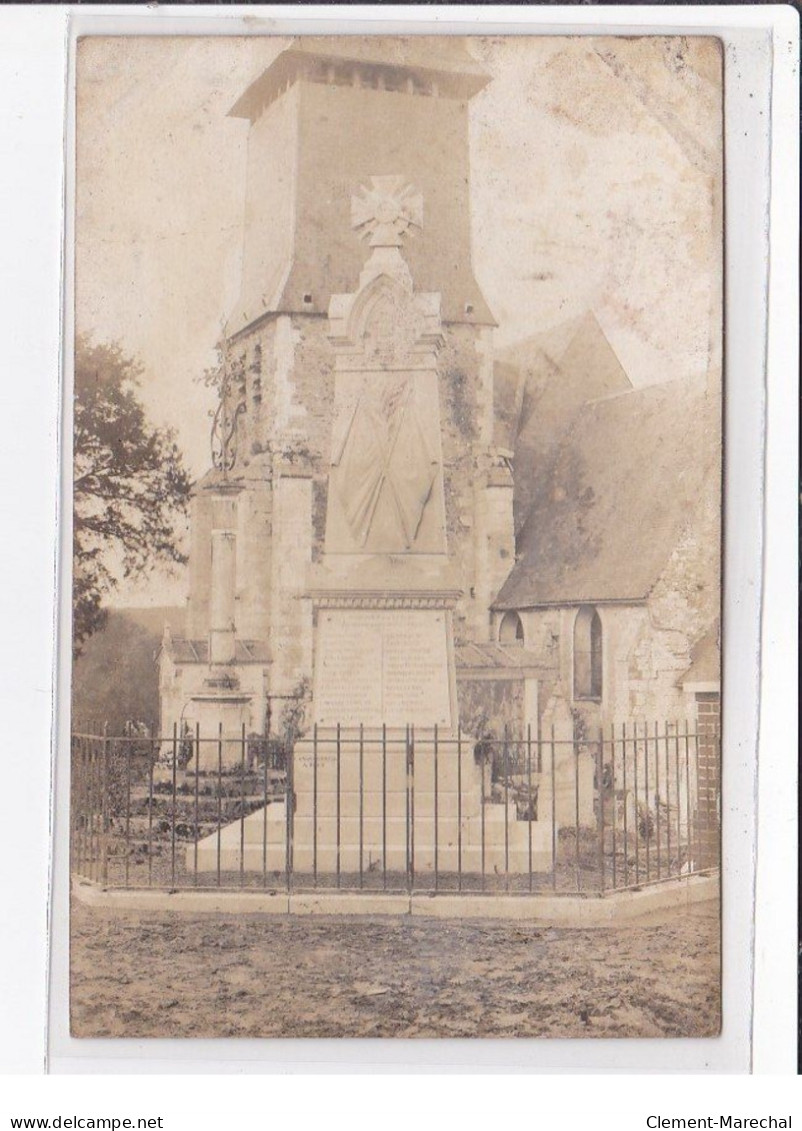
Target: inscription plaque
[[379, 666]]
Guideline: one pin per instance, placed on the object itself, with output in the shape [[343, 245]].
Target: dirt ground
[[177, 975]]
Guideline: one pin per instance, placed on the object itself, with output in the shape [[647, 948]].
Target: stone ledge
[[572, 910], [237, 902], [545, 909], [349, 903]]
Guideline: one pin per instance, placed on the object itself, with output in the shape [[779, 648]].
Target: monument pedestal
[[382, 803], [223, 712]]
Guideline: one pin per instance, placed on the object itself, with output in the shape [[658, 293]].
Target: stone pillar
[[223, 596], [291, 556], [254, 551], [707, 823], [574, 791], [200, 559]]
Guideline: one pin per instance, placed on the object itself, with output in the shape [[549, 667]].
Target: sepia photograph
[[397, 460]]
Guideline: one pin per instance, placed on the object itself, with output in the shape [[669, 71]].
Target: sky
[[595, 185]]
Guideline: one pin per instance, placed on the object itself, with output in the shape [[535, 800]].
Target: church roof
[[628, 473], [500, 658], [557, 372], [445, 53], [440, 59]]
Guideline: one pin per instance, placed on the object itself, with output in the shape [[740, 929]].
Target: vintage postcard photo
[[397, 525]]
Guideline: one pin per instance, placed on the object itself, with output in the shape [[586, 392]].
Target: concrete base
[[546, 910]]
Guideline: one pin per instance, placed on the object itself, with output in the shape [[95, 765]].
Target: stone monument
[[384, 592], [384, 781]]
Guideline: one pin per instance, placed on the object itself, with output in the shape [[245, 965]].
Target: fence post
[[648, 814], [506, 753], [614, 796], [688, 810], [459, 806], [600, 827], [530, 799], [74, 808], [361, 803], [677, 776], [436, 809], [577, 869], [173, 805], [338, 802], [637, 802], [265, 785], [196, 829], [482, 745], [154, 754], [411, 771], [219, 797], [105, 818], [242, 811], [384, 806], [657, 793], [554, 840], [91, 804], [289, 794], [128, 754], [668, 802], [626, 801], [314, 805]]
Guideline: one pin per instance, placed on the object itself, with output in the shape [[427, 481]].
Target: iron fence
[[397, 810]]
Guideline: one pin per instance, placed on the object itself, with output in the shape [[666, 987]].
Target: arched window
[[587, 654], [511, 629]]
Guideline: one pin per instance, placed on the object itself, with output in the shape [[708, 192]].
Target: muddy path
[[212, 975]]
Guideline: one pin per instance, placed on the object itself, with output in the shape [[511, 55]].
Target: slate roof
[[497, 657], [607, 509], [185, 651], [443, 58], [557, 372], [446, 53]]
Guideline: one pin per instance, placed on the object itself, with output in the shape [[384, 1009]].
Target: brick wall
[[707, 822]]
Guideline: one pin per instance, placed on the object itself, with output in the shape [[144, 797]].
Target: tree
[[130, 485], [115, 680]]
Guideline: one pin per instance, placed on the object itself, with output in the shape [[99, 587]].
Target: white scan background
[[33, 55]]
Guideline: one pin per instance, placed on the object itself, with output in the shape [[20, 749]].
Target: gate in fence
[[397, 810]]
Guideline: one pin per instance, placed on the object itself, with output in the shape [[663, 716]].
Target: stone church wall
[[643, 661]]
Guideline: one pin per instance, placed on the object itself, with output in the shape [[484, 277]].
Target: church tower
[[334, 122], [328, 114]]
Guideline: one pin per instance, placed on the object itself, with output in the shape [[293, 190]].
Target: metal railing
[[385, 809]]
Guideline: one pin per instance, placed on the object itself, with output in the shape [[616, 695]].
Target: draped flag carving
[[386, 465]]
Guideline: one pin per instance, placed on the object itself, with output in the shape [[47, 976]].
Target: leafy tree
[[130, 485], [115, 679]]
